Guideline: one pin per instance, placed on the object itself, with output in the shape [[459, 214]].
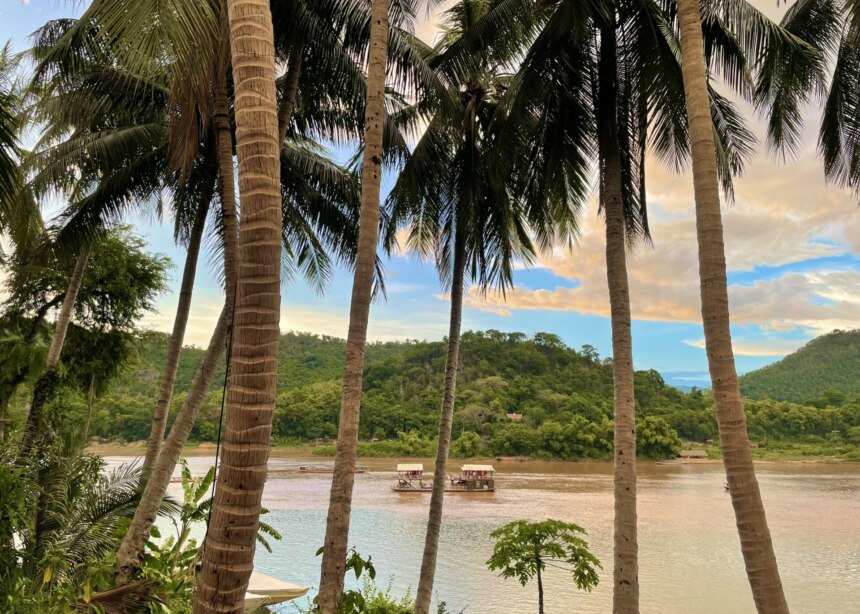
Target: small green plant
[[524, 549], [171, 564], [371, 599], [353, 602]]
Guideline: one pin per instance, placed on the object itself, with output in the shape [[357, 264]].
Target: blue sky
[[793, 249]]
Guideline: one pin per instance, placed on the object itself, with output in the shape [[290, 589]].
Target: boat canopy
[[264, 590], [488, 468], [410, 467]]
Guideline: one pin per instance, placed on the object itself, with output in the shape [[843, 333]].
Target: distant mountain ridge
[[827, 363]]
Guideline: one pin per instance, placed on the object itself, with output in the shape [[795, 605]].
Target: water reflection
[[689, 552]]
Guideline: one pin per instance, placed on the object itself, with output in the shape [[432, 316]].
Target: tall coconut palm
[[756, 543], [461, 210], [320, 212], [111, 124], [340, 502], [787, 83], [228, 555], [607, 77]]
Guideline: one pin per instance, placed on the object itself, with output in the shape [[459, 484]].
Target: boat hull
[[466, 491]]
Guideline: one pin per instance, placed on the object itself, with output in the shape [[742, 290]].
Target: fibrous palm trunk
[[174, 345], [228, 551], [340, 502], [446, 419], [756, 544], [290, 94], [91, 397], [626, 564], [133, 543], [226, 184], [43, 388], [132, 548]]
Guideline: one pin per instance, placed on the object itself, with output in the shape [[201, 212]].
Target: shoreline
[[306, 451]]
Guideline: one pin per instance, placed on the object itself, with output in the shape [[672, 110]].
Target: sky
[[792, 245]]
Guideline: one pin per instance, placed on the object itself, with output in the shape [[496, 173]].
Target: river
[[689, 554]]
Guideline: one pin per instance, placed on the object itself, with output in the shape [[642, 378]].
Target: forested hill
[[827, 365], [501, 373]]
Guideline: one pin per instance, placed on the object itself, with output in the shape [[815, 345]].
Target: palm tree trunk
[[626, 564], [44, 386], [228, 554], [290, 94], [340, 502], [440, 474], [226, 188], [132, 547], [91, 397], [756, 544], [177, 337]]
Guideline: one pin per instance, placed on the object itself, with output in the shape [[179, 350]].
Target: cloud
[[772, 347], [782, 217]]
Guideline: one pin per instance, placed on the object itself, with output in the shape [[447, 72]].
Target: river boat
[[312, 469], [471, 479]]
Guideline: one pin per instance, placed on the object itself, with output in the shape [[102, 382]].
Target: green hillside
[[828, 365], [501, 373], [562, 398]]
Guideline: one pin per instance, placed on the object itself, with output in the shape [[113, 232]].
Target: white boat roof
[[478, 468], [410, 467], [264, 590]]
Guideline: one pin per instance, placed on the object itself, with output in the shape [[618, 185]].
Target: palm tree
[[340, 502], [756, 544], [112, 124], [44, 387], [607, 77], [10, 176], [460, 209], [228, 554]]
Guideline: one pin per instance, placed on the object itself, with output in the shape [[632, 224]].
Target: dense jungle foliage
[[563, 395]]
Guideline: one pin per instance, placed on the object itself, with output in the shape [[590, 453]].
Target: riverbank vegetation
[[517, 396]]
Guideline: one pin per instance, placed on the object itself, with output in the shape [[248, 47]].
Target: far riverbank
[[797, 454]]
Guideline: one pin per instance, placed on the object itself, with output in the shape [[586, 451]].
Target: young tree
[[117, 287], [525, 549]]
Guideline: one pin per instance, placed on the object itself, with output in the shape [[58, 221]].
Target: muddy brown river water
[[690, 559]]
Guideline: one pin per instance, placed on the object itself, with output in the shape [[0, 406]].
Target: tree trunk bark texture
[[340, 503], [756, 544], [440, 473], [625, 594], [177, 337], [228, 554]]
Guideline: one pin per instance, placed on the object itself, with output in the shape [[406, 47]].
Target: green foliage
[[467, 445], [524, 549], [656, 439], [61, 520], [500, 373], [564, 395], [828, 363]]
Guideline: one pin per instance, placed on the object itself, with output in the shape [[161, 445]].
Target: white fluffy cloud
[[783, 215]]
